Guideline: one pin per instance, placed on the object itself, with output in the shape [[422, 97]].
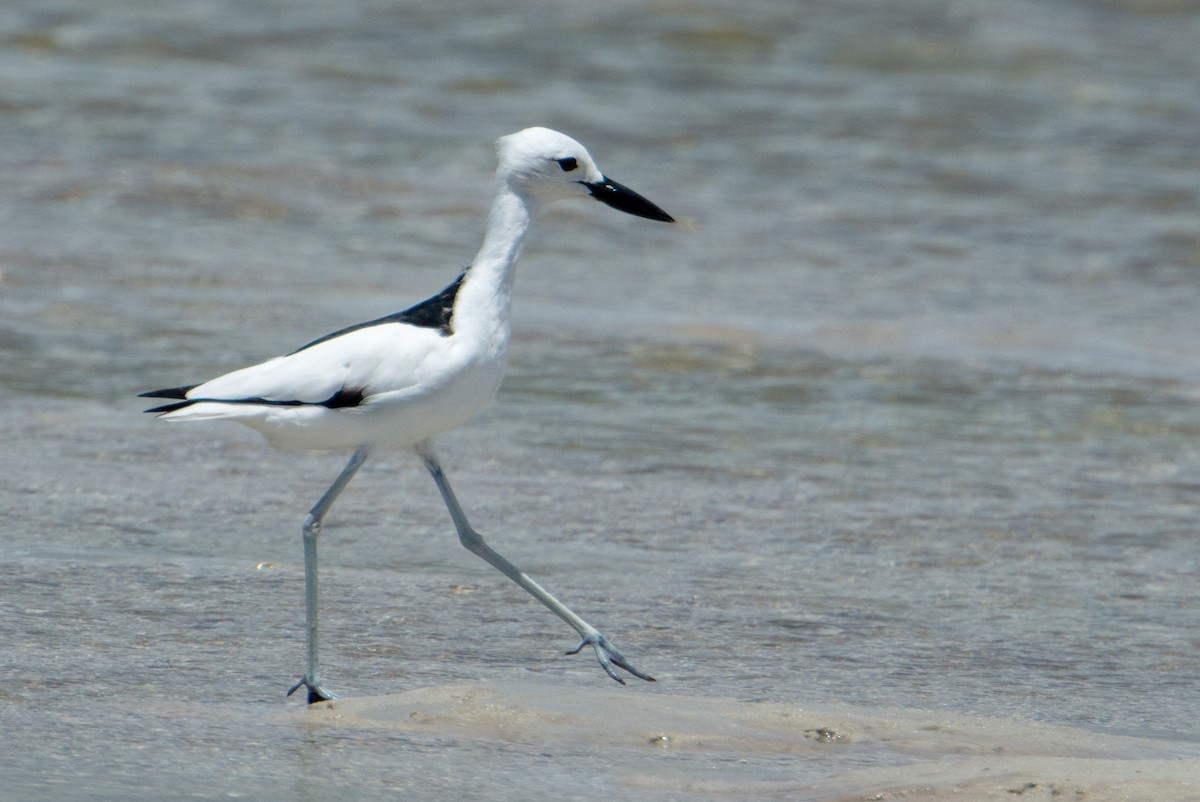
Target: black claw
[[621, 662]]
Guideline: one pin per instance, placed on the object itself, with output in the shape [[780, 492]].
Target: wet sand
[[832, 753]]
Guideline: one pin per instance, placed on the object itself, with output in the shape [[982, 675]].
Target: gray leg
[[312, 530], [605, 651]]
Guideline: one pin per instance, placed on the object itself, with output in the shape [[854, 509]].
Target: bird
[[397, 381]]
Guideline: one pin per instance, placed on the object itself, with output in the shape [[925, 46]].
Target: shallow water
[[903, 414]]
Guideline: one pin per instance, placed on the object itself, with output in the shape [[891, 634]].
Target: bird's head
[[547, 166]]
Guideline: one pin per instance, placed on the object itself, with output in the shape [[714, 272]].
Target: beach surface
[[675, 745]]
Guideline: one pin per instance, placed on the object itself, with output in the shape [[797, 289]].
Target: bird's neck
[[483, 302]]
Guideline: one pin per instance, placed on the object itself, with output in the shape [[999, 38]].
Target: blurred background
[[903, 413]]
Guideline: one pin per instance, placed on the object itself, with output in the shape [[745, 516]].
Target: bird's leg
[[608, 654], [312, 531]]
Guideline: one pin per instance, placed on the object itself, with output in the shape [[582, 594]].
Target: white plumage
[[399, 380], [414, 383]]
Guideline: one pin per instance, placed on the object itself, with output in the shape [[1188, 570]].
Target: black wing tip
[[169, 407], [170, 392]]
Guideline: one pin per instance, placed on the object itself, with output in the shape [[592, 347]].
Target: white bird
[[396, 381]]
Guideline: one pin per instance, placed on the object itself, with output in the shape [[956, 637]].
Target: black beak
[[624, 199]]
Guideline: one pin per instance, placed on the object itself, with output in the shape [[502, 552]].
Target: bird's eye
[[568, 164]]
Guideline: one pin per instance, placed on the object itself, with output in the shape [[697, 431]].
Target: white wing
[[371, 360]]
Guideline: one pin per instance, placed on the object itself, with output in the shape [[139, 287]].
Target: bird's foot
[[316, 692], [609, 656]]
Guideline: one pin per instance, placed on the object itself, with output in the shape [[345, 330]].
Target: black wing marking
[[342, 399], [432, 313]]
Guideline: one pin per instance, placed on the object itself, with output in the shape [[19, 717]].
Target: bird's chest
[[476, 378], [460, 372]]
